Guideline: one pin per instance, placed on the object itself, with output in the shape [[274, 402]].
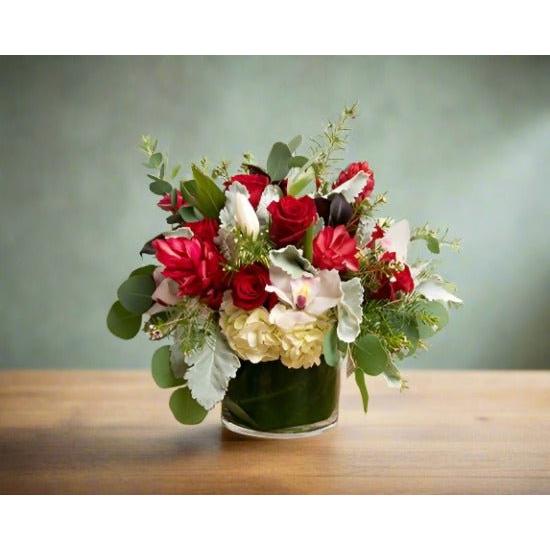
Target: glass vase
[[273, 401]]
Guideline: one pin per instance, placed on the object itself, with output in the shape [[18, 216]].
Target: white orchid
[[396, 239], [303, 298]]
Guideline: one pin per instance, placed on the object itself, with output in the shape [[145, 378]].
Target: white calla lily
[[245, 216]]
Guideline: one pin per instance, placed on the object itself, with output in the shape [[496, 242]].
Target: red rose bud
[[254, 183], [290, 218], [248, 287], [400, 281], [204, 230], [351, 171], [335, 248], [166, 202], [194, 264]]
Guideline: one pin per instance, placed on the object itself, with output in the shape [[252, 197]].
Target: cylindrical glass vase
[[273, 401]]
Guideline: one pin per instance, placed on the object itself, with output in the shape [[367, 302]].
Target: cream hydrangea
[[249, 333], [302, 344]]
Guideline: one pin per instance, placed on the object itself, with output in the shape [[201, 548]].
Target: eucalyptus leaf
[[155, 160], [210, 370], [178, 364], [294, 143], [175, 171], [297, 162], [189, 214], [361, 384], [330, 347], [349, 310], [437, 310], [278, 161], [123, 323], [185, 409], [161, 371], [433, 244], [144, 270], [291, 261], [160, 187], [135, 293], [369, 354]]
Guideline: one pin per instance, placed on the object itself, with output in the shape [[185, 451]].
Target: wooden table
[[112, 432]]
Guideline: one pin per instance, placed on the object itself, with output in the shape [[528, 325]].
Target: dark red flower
[[335, 248], [377, 233], [166, 202], [248, 287], [290, 217], [398, 281], [254, 183], [205, 230], [194, 264], [351, 171]]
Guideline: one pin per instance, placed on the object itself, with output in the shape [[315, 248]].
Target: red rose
[[194, 264], [351, 171], [254, 183], [398, 281], [248, 287], [290, 217], [166, 202], [204, 230], [335, 248]]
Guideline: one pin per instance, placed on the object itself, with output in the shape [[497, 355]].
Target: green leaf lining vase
[[273, 401]]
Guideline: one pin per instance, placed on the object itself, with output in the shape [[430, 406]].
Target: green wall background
[[462, 142]]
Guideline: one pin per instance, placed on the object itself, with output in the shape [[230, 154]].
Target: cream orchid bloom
[[303, 298], [396, 239]]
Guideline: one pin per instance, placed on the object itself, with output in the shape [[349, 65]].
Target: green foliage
[[203, 193], [361, 384], [278, 161], [294, 143], [431, 318], [307, 244], [135, 293], [330, 347], [159, 186], [161, 369], [185, 409], [369, 354], [144, 270], [248, 249], [434, 238], [298, 162], [123, 323], [301, 182]]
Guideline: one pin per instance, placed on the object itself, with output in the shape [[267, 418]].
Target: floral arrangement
[[279, 262]]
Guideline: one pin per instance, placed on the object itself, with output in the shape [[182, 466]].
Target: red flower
[[376, 234], [351, 171], [290, 217], [248, 286], [204, 230], [399, 281], [166, 202], [335, 248], [194, 264], [254, 183]]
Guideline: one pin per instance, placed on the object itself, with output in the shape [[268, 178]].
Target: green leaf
[[294, 143], [159, 186], [433, 244], [291, 261], [437, 310], [307, 245], [189, 214], [185, 409], [144, 270], [297, 162], [160, 368], [123, 323], [349, 310], [301, 183], [278, 161], [211, 368], [369, 354], [155, 160], [135, 293], [330, 347], [175, 171], [360, 381], [208, 198]]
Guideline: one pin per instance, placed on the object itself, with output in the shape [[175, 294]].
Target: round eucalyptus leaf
[[161, 370], [278, 161], [135, 293], [144, 270], [160, 187], [185, 409], [437, 310], [369, 354], [123, 323]]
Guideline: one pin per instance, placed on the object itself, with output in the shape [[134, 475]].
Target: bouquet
[[271, 280]]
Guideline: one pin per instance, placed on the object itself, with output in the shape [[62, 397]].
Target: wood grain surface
[[112, 432]]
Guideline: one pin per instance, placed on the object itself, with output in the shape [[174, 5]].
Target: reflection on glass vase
[[273, 401]]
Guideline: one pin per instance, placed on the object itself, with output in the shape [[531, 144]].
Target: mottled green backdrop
[[457, 141]]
